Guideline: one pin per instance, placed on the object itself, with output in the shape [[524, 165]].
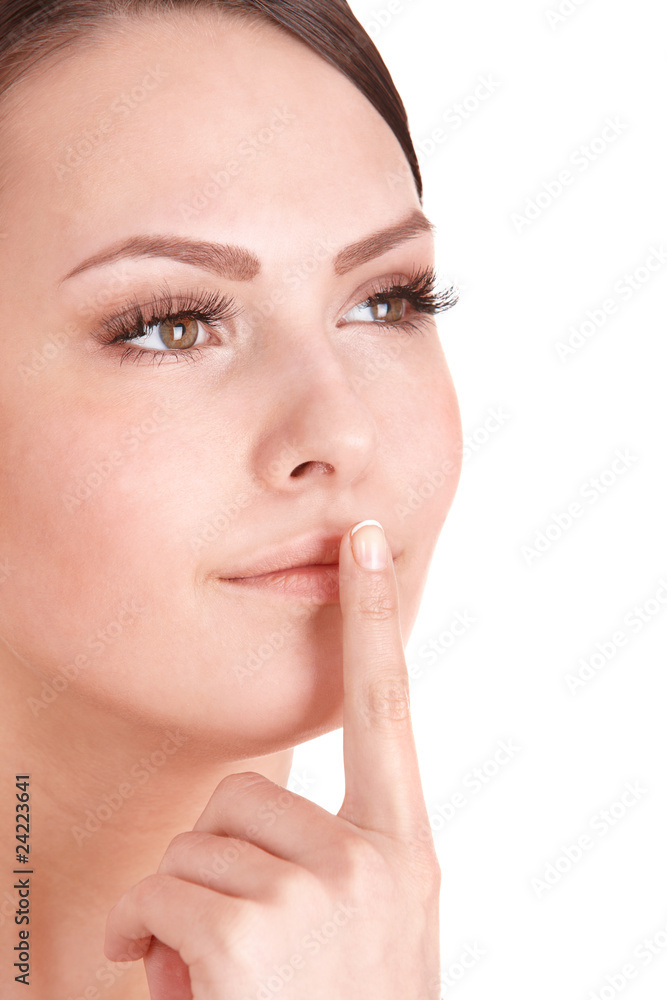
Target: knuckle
[[378, 605], [238, 781], [387, 699], [147, 889], [233, 932], [175, 849], [359, 860], [182, 842], [294, 888], [213, 933]]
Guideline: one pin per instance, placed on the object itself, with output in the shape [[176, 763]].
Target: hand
[[304, 904]]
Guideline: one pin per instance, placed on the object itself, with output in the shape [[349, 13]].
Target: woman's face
[[128, 490]]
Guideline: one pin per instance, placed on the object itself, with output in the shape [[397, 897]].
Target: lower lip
[[312, 584]]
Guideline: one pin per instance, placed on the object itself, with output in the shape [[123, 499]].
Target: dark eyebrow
[[239, 264], [382, 242], [224, 259]]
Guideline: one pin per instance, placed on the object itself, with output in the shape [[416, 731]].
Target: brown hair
[[31, 31]]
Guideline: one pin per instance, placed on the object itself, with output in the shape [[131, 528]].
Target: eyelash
[[211, 308]]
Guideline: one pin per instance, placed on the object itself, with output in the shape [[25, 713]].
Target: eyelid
[[158, 300], [377, 286], [418, 288], [163, 304]]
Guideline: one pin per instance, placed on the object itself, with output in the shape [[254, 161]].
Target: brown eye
[[391, 310], [178, 333]]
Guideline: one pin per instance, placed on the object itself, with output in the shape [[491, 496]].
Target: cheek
[[97, 510], [420, 430], [423, 445], [102, 507], [102, 518]]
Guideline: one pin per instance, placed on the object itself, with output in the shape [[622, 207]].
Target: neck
[[107, 796]]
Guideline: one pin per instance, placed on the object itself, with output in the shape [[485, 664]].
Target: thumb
[[166, 972]]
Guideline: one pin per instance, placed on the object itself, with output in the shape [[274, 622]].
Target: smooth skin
[[135, 684], [367, 879]]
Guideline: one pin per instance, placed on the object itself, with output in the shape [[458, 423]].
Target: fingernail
[[369, 545]]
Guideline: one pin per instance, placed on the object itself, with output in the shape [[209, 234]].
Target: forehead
[[201, 125]]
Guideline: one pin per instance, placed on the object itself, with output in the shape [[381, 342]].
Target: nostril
[[319, 466]]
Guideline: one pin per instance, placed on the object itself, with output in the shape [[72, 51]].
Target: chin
[[287, 703]]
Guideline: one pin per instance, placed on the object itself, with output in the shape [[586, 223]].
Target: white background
[[526, 284]]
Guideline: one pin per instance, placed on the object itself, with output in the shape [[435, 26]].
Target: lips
[[306, 568], [312, 584], [308, 550]]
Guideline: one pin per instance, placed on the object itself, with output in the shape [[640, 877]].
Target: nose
[[313, 421]]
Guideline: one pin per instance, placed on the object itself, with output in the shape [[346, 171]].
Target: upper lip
[[313, 549]]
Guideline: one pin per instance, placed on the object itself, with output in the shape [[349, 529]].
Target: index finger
[[382, 783]]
